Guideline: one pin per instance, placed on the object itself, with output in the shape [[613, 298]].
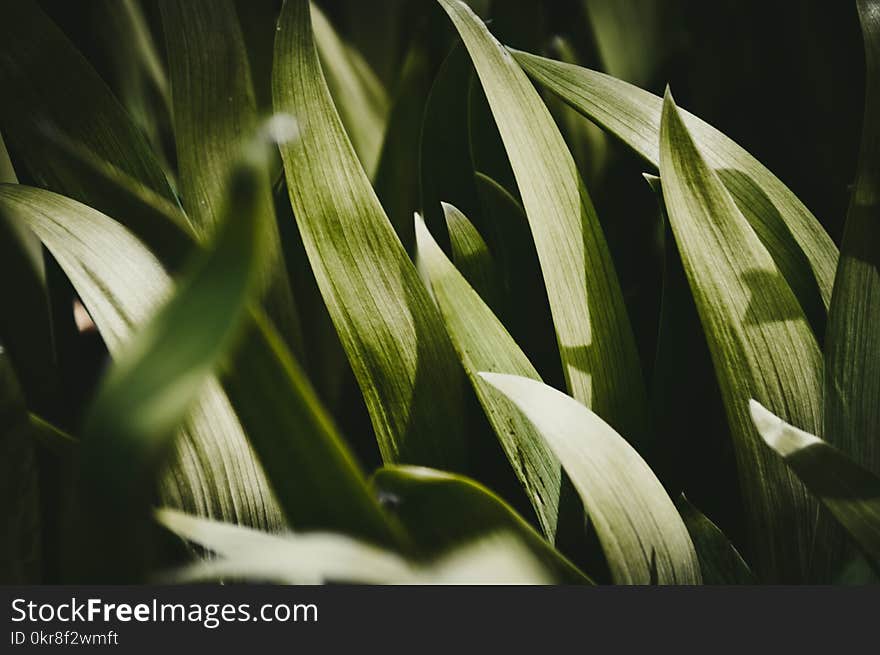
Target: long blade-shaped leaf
[[753, 324], [392, 333], [852, 343], [849, 491], [214, 112], [593, 332], [46, 80], [642, 535], [162, 370], [130, 428], [801, 248], [358, 95], [323, 557], [313, 473], [441, 510], [472, 258], [314, 476], [720, 562], [484, 345], [121, 285]]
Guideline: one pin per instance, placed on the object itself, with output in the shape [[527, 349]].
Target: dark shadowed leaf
[[215, 111], [20, 512], [390, 329], [720, 563], [484, 345], [47, 81]]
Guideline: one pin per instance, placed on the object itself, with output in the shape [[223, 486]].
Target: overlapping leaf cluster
[[234, 222]]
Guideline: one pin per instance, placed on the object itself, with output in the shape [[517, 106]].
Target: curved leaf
[[753, 324], [852, 343], [642, 535], [472, 257], [441, 510], [720, 563], [161, 371], [593, 332], [121, 284], [799, 245], [484, 345], [214, 113], [390, 330], [46, 80], [358, 95], [19, 485], [849, 491], [317, 558]]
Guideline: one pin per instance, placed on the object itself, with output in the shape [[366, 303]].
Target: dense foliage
[[411, 292]]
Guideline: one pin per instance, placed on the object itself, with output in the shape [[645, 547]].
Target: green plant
[[240, 234]]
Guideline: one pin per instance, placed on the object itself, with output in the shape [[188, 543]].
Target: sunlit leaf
[[852, 343], [214, 113], [390, 329], [121, 284], [484, 345], [593, 332], [471, 256], [317, 558], [802, 250], [642, 535], [753, 324]]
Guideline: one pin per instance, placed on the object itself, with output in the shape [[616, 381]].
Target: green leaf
[[472, 257], [158, 375], [357, 93], [849, 491], [324, 557], [445, 169], [25, 324], [852, 343], [313, 473], [799, 245], [392, 333], [484, 345], [160, 224], [593, 332], [19, 488], [753, 324], [138, 73], [214, 112], [526, 311], [121, 284], [642, 535], [284, 422], [441, 510], [47, 81], [720, 562], [397, 174]]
